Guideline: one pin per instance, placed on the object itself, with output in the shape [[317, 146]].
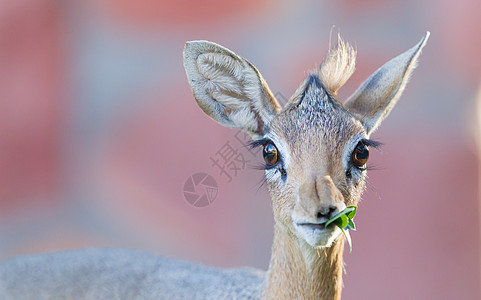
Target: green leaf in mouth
[[344, 221]]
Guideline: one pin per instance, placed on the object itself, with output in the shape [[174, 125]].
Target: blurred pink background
[[99, 131]]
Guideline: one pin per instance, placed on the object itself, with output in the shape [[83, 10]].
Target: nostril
[[332, 210], [326, 212]]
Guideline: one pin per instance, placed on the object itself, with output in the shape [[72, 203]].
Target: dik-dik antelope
[[315, 150]]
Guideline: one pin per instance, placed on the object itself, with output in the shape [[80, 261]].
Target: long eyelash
[[263, 142], [373, 168], [262, 167], [258, 143], [264, 179], [367, 168], [372, 143]]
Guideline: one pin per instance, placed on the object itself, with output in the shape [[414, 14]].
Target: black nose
[[326, 212]]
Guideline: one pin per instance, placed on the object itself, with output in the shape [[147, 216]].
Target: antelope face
[[315, 154]]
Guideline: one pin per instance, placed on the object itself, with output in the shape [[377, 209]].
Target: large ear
[[228, 88], [375, 98]]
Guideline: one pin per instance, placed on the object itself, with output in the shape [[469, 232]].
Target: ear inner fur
[[228, 88]]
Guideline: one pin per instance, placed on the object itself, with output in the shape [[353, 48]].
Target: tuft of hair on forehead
[[338, 66]]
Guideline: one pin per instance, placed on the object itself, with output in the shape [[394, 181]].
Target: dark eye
[[360, 155], [271, 156]]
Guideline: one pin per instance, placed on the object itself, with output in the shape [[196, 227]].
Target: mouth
[[316, 234], [315, 226]]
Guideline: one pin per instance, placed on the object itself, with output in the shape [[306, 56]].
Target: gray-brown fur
[[315, 136], [111, 274]]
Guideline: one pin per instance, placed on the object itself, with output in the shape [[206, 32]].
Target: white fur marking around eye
[[349, 148], [282, 148]]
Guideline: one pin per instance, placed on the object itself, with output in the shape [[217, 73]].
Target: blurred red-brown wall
[[99, 132]]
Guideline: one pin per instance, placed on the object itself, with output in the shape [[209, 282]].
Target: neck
[[298, 271]]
